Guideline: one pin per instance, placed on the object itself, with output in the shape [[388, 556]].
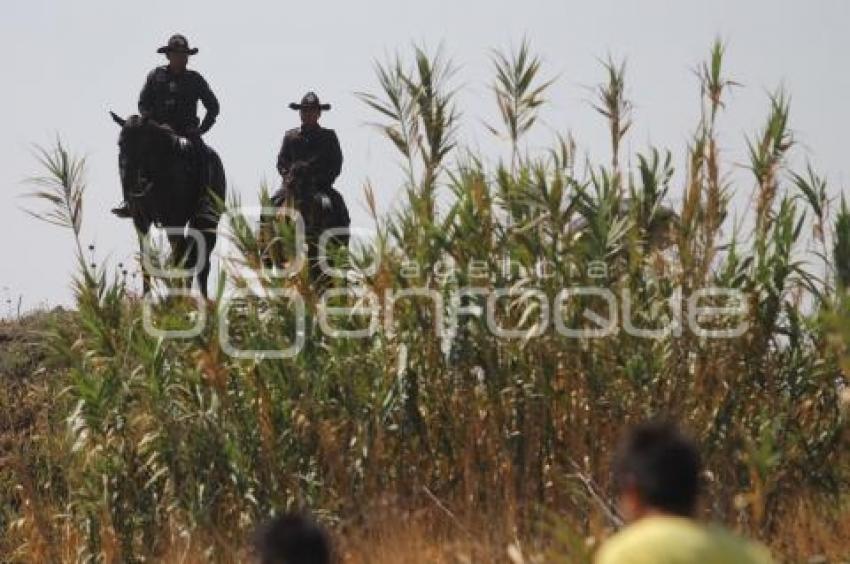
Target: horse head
[[144, 145]]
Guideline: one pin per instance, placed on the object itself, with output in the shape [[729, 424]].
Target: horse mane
[[161, 133]]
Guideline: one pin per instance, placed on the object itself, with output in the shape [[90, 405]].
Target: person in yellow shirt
[[656, 473]]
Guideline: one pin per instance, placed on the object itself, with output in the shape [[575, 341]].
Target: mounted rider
[[310, 158], [170, 97]]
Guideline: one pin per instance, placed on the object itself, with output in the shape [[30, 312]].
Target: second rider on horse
[[309, 161], [170, 97], [310, 156]]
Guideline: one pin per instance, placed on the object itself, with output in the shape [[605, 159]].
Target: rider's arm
[[284, 157], [284, 161], [210, 103], [336, 156], [329, 164], [146, 97]]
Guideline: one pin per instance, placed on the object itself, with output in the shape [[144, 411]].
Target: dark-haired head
[[292, 539], [656, 470]]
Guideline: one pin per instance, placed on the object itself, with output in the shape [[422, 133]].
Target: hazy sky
[[66, 63]]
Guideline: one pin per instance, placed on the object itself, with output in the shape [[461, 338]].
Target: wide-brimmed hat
[[177, 44], [310, 100]]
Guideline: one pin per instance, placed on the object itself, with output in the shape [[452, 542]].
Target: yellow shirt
[[678, 540]]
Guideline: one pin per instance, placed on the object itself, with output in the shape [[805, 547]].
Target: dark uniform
[[309, 155], [172, 99]]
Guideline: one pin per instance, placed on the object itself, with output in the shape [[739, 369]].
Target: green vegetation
[[475, 448]]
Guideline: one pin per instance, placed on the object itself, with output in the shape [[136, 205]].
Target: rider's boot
[[122, 210]]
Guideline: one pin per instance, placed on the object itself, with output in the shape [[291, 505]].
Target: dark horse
[[164, 186], [320, 209]]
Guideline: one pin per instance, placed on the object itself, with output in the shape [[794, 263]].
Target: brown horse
[[165, 186]]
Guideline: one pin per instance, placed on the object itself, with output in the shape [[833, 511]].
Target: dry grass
[[413, 448]]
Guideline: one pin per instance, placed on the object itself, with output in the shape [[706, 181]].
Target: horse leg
[[206, 224], [320, 279], [146, 277], [207, 216], [180, 257], [204, 272], [272, 249], [142, 229], [337, 245]]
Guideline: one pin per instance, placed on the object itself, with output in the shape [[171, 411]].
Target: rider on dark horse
[[310, 160], [170, 97], [310, 155]]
